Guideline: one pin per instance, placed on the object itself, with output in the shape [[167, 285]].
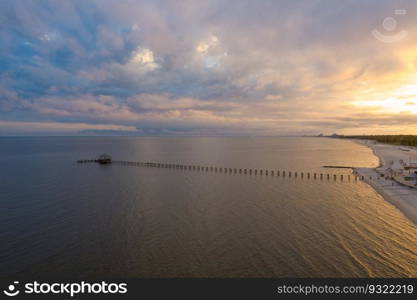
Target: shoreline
[[402, 197]]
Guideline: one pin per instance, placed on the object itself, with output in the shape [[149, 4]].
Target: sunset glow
[[169, 68], [402, 101]]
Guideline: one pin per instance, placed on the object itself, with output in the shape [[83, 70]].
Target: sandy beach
[[390, 157]]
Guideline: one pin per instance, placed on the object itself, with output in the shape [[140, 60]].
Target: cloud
[[143, 60], [261, 67], [15, 127]]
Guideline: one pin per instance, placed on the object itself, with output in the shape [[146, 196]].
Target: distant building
[[411, 165], [104, 159], [411, 177]]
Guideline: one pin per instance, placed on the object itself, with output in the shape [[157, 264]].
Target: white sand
[[403, 197]]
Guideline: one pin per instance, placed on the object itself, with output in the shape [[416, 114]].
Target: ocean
[[62, 219]]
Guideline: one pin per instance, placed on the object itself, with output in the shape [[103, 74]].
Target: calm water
[[67, 220]]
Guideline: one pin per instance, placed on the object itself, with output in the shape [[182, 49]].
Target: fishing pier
[[106, 159]]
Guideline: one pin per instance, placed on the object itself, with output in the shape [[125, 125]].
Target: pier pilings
[[289, 174]]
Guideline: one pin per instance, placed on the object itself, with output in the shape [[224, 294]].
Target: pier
[[290, 174]]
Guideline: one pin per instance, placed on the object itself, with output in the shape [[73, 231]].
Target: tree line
[[405, 140]]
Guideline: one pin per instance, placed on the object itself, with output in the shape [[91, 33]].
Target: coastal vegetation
[[404, 140]]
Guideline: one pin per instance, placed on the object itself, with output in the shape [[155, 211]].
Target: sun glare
[[404, 100]]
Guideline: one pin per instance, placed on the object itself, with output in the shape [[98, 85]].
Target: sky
[[236, 67]]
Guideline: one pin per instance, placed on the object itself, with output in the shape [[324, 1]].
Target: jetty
[[339, 167]]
